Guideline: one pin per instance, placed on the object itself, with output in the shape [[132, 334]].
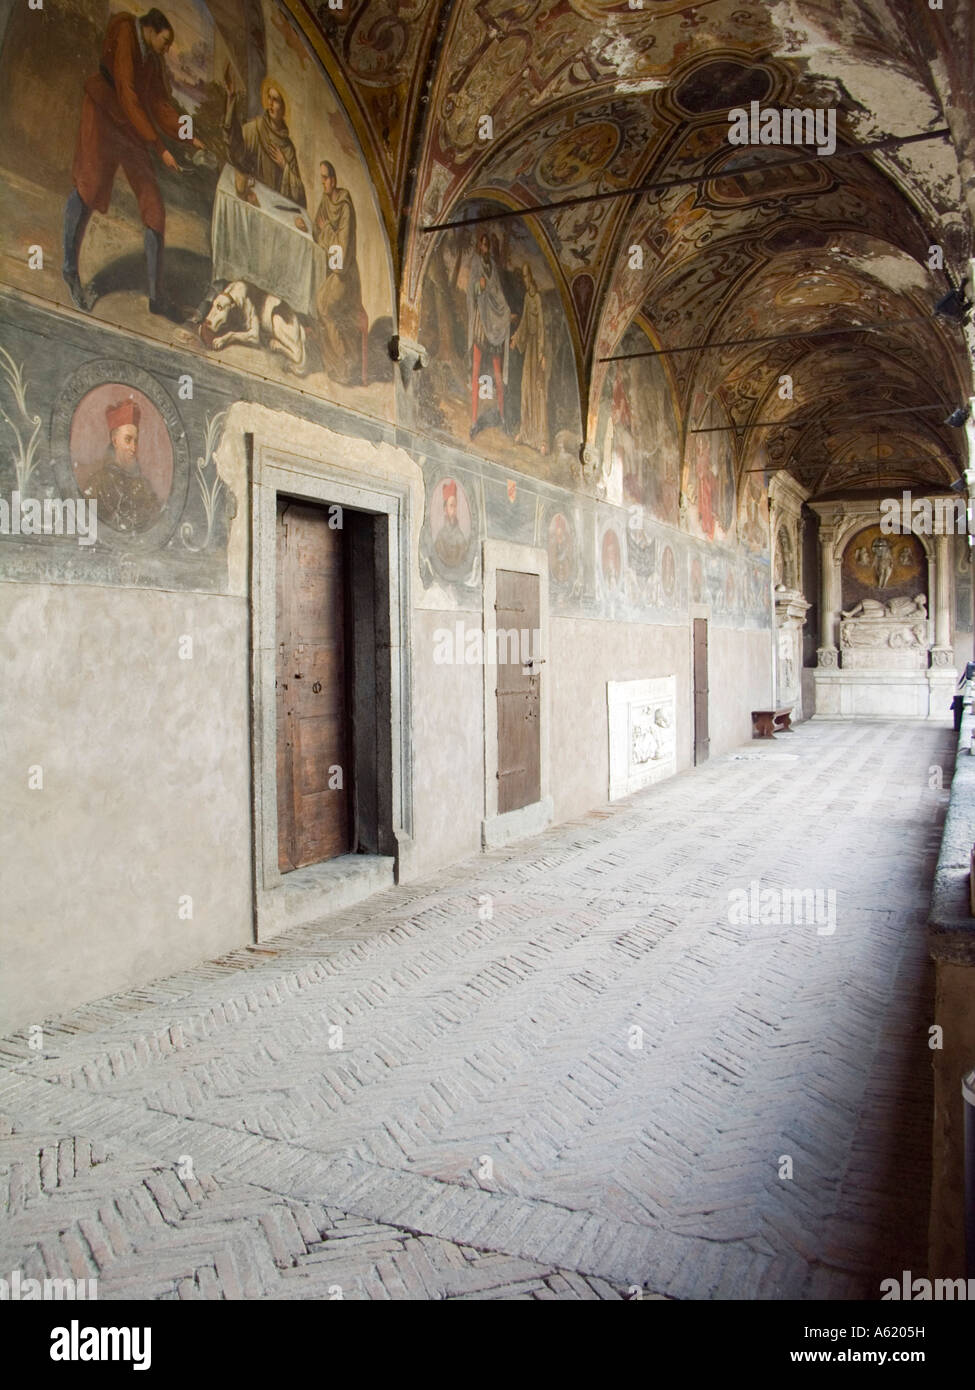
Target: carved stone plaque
[[642, 733]]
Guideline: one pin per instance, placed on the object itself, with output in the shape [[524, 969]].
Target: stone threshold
[[304, 895]]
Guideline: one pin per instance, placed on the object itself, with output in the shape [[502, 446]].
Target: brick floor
[[567, 1069]]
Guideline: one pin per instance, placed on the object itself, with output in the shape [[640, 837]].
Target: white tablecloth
[[263, 246]]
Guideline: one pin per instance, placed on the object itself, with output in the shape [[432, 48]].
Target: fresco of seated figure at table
[[256, 239], [263, 147], [149, 239]]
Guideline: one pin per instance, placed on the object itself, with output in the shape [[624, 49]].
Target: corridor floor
[[598, 1064]]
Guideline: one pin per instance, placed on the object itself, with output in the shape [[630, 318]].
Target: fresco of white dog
[[241, 313]]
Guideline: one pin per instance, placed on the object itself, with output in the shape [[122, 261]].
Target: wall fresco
[[637, 437], [189, 175], [501, 377]]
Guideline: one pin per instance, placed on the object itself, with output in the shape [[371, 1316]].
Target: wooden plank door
[[518, 608], [314, 773], [701, 736]]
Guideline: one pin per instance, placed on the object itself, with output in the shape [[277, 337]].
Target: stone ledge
[[951, 927], [874, 693]]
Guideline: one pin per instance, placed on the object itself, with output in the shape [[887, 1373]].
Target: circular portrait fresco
[[451, 527], [611, 559], [122, 456]]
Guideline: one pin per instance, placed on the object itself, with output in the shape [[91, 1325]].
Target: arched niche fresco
[[501, 376], [247, 232], [637, 438], [881, 566]]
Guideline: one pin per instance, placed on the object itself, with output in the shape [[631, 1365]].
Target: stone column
[[790, 615], [941, 675], [829, 597], [941, 593]]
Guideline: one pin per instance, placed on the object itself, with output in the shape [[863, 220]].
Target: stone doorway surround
[[498, 829], [326, 468]]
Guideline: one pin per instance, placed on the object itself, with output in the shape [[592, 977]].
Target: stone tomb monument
[[889, 636], [891, 660]]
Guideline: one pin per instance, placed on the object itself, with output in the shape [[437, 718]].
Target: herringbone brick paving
[[561, 1070]]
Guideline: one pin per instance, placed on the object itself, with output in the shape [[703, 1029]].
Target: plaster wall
[[585, 655], [448, 747], [740, 680], [145, 797]]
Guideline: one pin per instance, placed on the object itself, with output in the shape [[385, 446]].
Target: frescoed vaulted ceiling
[[590, 98]]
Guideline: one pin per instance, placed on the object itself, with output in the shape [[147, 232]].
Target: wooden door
[[517, 609], [313, 768], [701, 737]]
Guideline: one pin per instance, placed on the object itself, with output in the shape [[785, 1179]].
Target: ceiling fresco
[[588, 99]]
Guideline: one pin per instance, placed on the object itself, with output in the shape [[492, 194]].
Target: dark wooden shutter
[[517, 610], [701, 736]]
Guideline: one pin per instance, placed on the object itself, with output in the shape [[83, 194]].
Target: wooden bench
[[766, 723]]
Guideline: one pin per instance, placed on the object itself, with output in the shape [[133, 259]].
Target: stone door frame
[[324, 887]]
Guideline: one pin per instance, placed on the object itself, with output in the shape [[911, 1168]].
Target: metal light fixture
[[954, 306]]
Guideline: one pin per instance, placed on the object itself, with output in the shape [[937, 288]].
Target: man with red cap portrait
[[126, 499], [451, 542]]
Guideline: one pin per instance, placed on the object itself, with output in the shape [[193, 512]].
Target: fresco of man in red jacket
[[127, 109]]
